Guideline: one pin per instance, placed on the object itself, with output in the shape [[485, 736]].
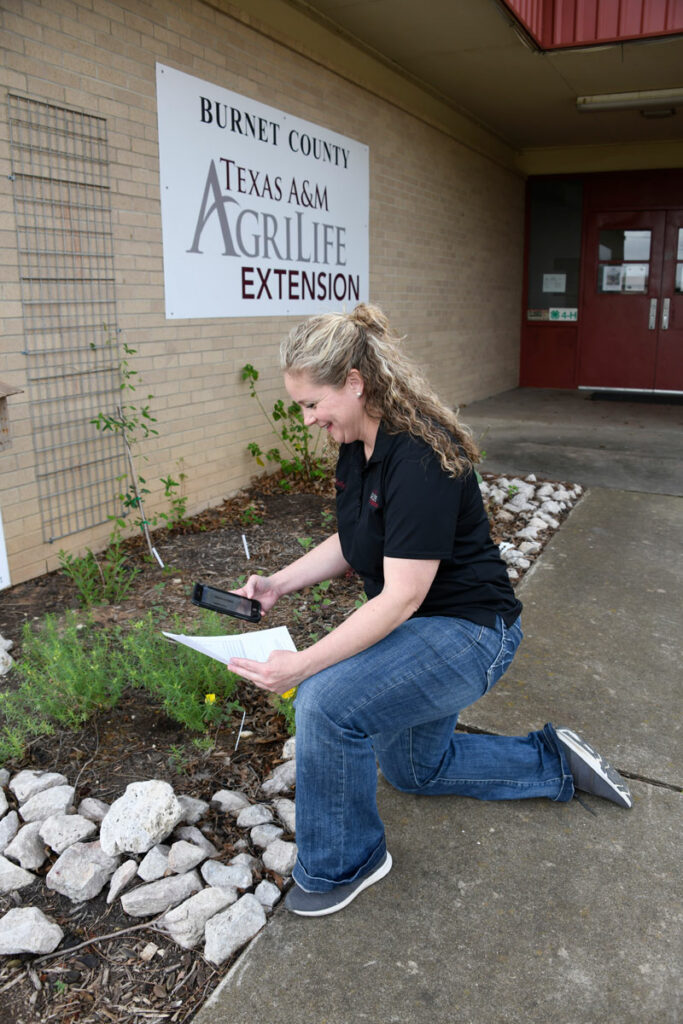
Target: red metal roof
[[557, 24]]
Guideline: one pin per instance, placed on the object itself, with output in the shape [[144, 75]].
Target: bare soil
[[123, 978]]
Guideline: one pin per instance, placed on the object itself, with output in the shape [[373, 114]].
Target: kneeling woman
[[440, 626]]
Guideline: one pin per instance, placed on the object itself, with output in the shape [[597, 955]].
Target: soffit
[[472, 54]]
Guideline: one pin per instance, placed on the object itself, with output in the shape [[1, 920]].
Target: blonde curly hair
[[329, 346]]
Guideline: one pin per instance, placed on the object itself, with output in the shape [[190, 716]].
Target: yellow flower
[[210, 698], [289, 693]]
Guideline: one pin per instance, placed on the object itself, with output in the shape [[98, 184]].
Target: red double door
[[631, 322]]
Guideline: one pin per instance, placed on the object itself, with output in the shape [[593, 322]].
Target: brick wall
[[445, 240]]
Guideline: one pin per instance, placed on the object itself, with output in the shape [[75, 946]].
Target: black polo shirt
[[401, 504]]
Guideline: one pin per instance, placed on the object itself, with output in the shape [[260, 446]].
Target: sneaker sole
[[379, 873], [620, 793]]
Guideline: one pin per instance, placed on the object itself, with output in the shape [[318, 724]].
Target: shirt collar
[[382, 444]]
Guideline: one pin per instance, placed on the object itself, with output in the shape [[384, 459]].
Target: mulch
[[139, 975]]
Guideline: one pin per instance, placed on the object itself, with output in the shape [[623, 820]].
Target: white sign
[[564, 314], [5, 580], [556, 283], [263, 214]]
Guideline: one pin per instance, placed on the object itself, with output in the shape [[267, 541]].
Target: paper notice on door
[[256, 646]]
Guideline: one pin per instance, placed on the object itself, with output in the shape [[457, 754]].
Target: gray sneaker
[[592, 773], [317, 904]]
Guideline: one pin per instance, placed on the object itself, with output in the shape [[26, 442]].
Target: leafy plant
[[317, 597], [178, 758], [306, 542], [285, 707], [173, 492], [69, 671], [299, 458], [133, 422], [179, 678], [106, 579], [204, 744], [65, 674], [249, 516]]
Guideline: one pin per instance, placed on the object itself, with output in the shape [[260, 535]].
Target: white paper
[[255, 646], [556, 283]]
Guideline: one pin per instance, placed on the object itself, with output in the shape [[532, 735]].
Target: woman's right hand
[[262, 589]]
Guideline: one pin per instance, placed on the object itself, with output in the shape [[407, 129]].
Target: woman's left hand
[[280, 673]]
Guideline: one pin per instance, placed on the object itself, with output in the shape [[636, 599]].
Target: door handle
[[665, 314], [652, 320]]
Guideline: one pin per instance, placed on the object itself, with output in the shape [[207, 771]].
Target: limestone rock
[[229, 801], [27, 783], [281, 780], [122, 877], [92, 809], [55, 800], [186, 922], [6, 662], [184, 856], [62, 830], [13, 877], [231, 929], [9, 826], [193, 810], [246, 860], [527, 533], [155, 864], [286, 812], [263, 835], [4, 777], [3, 803], [280, 857], [82, 871], [145, 815], [289, 749], [257, 814], [27, 847], [267, 893], [194, 835], [551, 507], [157, 897], [226, 875], [28, 930]]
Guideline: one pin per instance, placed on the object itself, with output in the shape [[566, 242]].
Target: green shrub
[[69, 671], [193, 689], [65, 674], [103, 580], [299, 459]]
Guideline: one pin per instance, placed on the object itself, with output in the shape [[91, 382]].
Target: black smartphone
[[227, 603]]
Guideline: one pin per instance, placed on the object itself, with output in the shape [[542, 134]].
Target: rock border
[[151, 836]]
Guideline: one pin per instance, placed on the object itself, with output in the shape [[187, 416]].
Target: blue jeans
[[397, 703]]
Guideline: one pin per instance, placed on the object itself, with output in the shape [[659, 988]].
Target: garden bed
[[123, 978]]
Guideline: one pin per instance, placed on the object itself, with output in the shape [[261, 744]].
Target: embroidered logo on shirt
[[340, 484], [374, 499]]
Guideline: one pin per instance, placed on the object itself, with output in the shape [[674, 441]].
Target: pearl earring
[[359, 394]]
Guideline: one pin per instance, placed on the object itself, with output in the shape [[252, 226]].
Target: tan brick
[[443, 222]]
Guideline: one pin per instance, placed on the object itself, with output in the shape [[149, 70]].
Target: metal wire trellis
[[60, 169]]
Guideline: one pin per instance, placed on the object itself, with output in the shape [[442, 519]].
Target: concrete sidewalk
[[633, 443], [525, 912]]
